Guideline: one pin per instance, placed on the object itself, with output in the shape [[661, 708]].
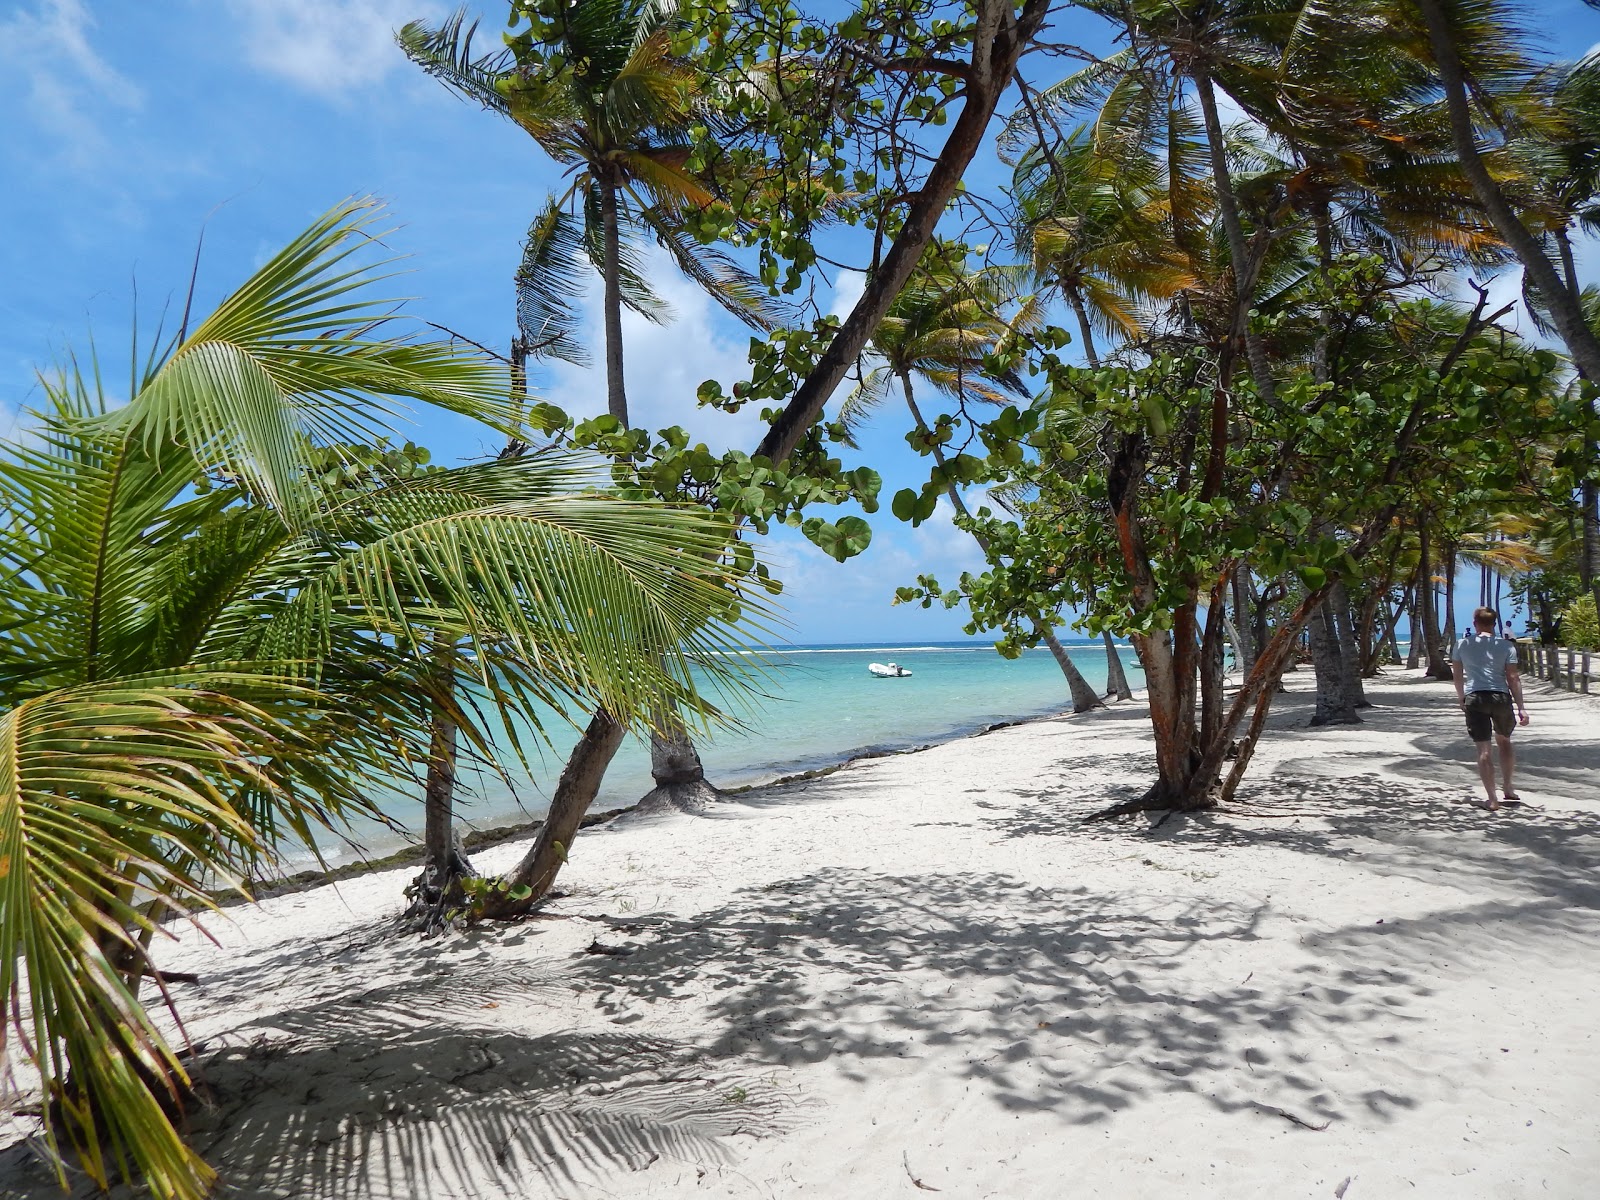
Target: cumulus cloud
[[664, 365], [847, 292], [330, 47], [47, 48]]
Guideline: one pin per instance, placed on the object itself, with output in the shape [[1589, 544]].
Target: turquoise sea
[[823, 707]]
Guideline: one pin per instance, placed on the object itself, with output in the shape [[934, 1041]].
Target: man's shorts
[[1486, 710]]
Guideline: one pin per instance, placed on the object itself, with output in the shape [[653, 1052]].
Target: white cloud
[[330, 47], [664, 365], [847, 292], [48, 48]]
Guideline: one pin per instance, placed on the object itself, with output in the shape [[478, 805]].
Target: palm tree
[[1471, 46], [1096, 228], [941, 328], [218, 644], [604, 97]]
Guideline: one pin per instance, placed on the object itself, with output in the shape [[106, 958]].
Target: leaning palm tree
[[940, 329], [605, 97], [217, 646]]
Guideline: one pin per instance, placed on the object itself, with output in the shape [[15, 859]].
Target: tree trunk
[[616, 393], [1438, 666], [1350, 657], [1335, 704], [675, 766], [1414, 622], [1589, 569], [1085, 330], [1083, 696], [1002, 33], [1450, 626], [575, 792], [437, 888], [1210, 665], [1228, 204], [1116, 678], [1566, 312], [1243, 618]]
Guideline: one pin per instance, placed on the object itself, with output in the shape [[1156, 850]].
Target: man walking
[[1487, 682]]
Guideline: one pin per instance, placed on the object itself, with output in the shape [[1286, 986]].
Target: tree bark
[[1566, 313], [1335, 704], [1083, 696], [1589, 570], [1228, 204], [575, 792], [1116, 678], [1350, 657], [437, 888], [675, 766], [1416, 638], [1085, 330], [1005, 34], [1243, 618], [1450, 627], [1438, 666], [616, 392]]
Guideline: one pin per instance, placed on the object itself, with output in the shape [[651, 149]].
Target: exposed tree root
[[1152, 801], [689, 796], [437, 894], [1347, 716]]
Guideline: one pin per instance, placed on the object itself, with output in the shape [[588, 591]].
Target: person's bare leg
[[1508, 763], [1486, 773]]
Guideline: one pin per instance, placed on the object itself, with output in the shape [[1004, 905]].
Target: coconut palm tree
[[940, 329], [1096, 228], [603, 95], [217, 644]]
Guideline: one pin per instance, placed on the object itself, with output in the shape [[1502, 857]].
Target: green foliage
[[1579, 627], [223, 617]]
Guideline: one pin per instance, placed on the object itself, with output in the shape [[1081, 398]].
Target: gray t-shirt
[[1483, 660]]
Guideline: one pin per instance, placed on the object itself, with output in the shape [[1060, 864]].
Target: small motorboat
[[888, 670]]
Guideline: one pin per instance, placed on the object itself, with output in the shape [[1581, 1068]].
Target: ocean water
[[822, 707]]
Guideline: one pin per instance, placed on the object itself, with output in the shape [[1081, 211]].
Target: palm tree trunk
[[1350, 656], [521, 888], [1566, 312], [1414, 623], [1075, 299], [1450, 634], [1438, 668], [1243, 618], [1083, 695], [437, 888], [616, 394], [1228, 203], [675, 765], [1116, 678]]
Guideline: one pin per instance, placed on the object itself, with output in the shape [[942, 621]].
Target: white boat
[[888, 670]]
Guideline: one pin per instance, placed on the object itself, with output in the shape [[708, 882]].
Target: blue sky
[[128, 127]]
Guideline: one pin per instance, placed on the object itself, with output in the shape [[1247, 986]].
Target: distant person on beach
[[1510, 637], [1487, 682]]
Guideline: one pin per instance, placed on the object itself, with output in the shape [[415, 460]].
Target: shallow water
[[823, 707]]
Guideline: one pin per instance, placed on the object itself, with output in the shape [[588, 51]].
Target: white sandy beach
[[925, 974]]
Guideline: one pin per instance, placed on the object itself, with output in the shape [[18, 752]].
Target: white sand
[[924, 973]]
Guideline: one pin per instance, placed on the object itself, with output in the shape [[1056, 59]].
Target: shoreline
[[475, 839], [930, 968]]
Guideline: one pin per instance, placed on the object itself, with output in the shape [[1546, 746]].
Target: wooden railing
[[1563, 666]]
